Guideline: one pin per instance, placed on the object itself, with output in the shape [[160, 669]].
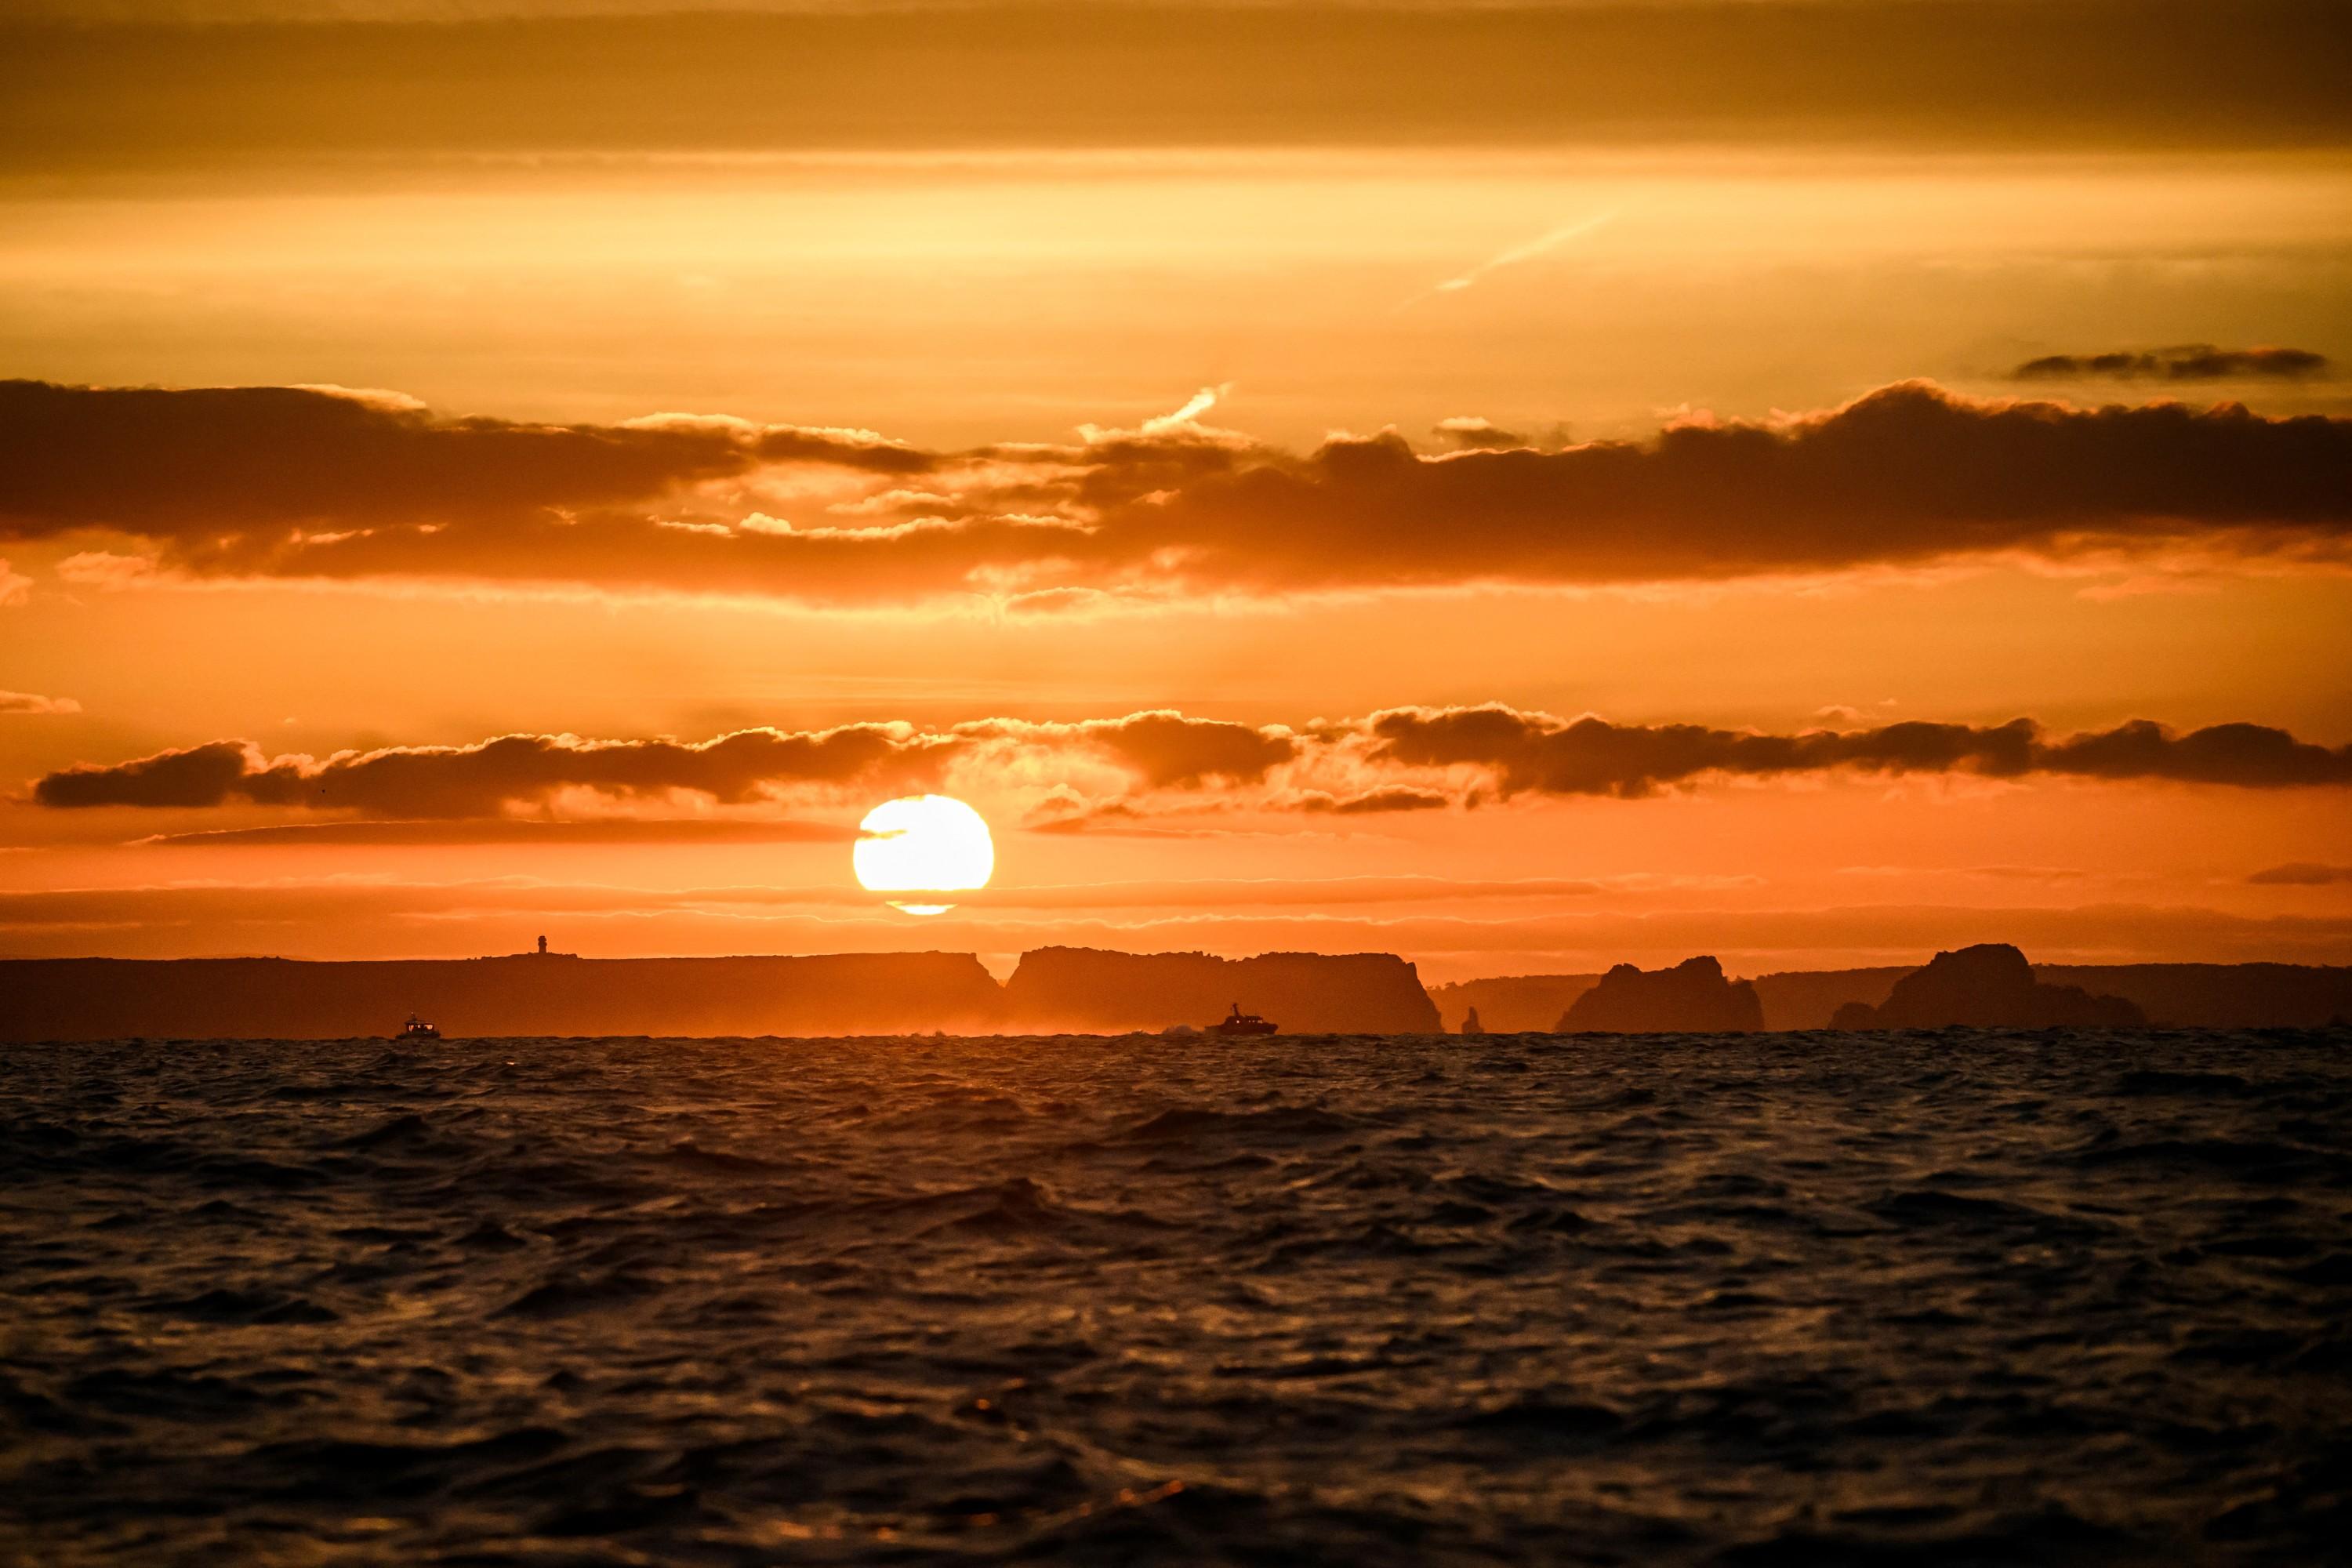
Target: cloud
[[1517, 255], [1468, 433], [2184, 361], [14, 586], [487, 778], [1536, 753], [272, 463], [1140, 770], [1387, 798], [1169, 749], [517, 830], [26, 702], [2064, 73], [381, 490], [2300, 874], [1148, 751]]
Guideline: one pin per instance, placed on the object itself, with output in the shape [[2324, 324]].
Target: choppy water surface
[[1810, 1299]]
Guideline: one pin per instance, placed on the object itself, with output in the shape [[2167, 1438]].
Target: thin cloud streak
[[28, 703], [1543, 245]]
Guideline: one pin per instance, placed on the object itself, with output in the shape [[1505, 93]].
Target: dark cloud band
[[1534, 753], [297, 483], [2187, 362], [1167, 764]]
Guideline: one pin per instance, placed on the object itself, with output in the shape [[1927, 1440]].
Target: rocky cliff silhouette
[[1056, 988], [1692, 998], [1090, 990], [1989, 986]]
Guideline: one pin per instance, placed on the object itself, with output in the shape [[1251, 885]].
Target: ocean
[[1962, 1297]]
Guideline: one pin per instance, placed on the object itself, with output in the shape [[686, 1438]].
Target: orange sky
[[833, 380]]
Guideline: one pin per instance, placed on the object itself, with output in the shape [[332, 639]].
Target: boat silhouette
[[418, 1028], [1238, 1023]]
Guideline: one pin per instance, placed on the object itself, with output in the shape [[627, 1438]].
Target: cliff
[[1989, 985], [285, 999], [1692, 998], [1089, 991], [1511, 1004]]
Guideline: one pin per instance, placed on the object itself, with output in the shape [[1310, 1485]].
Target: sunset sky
[[1525, 487]]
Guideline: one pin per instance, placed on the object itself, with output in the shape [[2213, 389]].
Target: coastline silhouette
[[1064, 989]]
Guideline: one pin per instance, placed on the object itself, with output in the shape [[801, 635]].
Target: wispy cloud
[[2184, 361], [1543, 245], [1199, 404], [2300, 874], [26, 702]]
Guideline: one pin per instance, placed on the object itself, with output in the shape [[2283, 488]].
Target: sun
[[923, 844]]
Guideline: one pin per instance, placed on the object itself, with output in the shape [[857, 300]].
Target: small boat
[[1238, 1023], [418, 1028]]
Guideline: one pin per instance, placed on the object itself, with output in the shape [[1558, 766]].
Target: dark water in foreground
[[1807, 1299]]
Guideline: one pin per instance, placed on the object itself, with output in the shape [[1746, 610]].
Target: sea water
[[1805, 1299]]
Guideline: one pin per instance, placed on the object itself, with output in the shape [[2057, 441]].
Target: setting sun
[[923, 844]]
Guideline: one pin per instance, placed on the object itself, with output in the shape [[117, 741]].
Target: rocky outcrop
[[1989, 986], [1471, 1026], [1080, 990], [2173, 996], [1853, 1015], [1692, 998], [287, 999]]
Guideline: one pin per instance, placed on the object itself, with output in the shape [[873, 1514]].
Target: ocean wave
[[1952, 1299]]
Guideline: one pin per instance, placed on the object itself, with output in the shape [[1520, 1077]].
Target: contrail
[[1514, 256]]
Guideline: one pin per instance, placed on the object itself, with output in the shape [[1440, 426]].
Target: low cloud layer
[[1143, 751], [2184, 361], [1534, 753], [296, 483], [1157, 770], [2300, 874], [26, 702]]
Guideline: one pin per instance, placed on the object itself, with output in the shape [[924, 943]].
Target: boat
[[1238, 1023], [418, 1028]]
